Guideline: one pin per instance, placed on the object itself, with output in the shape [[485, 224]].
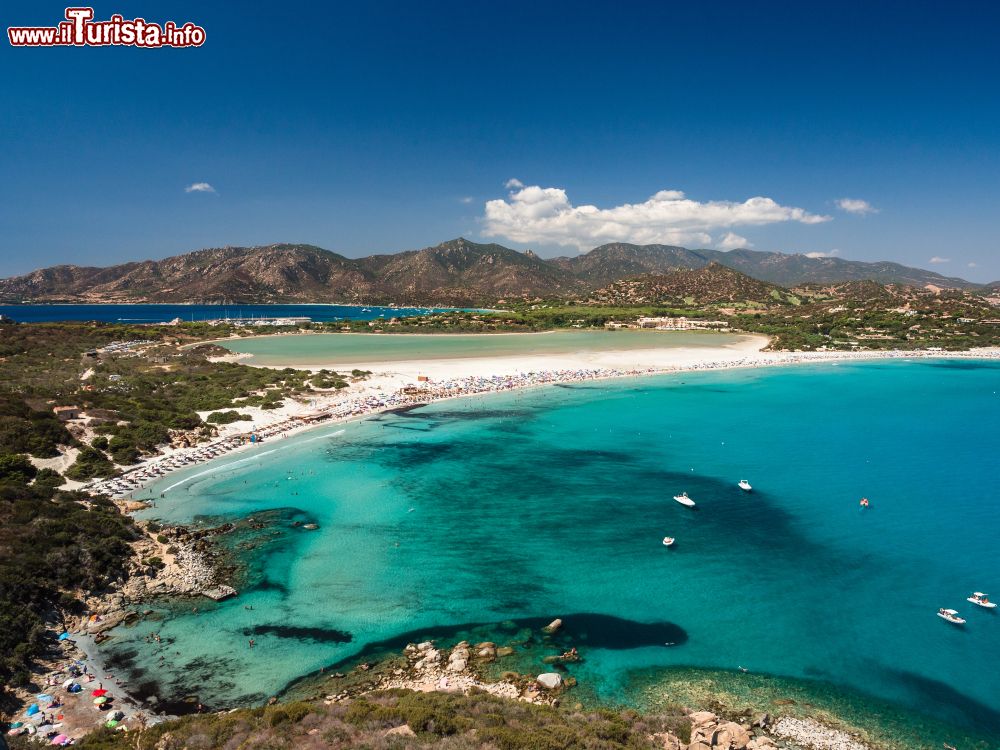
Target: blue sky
[[378, 126]]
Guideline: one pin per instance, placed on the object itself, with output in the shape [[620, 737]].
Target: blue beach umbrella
[[32, 709], [64, 636]]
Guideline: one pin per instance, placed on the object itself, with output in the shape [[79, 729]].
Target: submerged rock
[[553, 626]]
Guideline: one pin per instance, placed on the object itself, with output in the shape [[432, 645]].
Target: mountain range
[[456, 273]]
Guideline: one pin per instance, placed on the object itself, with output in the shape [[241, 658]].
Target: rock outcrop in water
[[184, 564]]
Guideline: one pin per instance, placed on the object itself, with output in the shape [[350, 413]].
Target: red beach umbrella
[[99, 693]]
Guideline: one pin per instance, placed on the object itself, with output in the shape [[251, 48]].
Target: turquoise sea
[[553, 502]]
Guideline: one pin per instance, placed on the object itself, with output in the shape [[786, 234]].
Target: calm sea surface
[[338, 348], [553, 502], [190, 313]]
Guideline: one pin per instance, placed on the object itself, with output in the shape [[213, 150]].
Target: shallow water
[[554, 501], [335, 348]]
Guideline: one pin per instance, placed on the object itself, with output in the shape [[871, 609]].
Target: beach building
[[679, 324], [66, 413], [286, 321]]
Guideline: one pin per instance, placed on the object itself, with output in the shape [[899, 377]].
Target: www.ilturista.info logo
[[81, 30]]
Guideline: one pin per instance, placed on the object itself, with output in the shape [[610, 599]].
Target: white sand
[[456, 377], [60, 463]]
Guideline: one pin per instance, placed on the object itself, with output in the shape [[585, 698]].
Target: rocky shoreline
[[810, 733], [427, 667], [168, 562], [468, 667], [463, 668]]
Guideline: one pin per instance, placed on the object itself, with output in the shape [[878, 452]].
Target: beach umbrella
[[32, 709], [59, 739], [64, 636], [111, 724], [68, 684], [44, 697], [100, 701], [99, 692]]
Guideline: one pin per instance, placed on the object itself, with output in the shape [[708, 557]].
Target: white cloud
[[545, 215], [465, 199], [972, 265], [513, 184], [199, 187], [938, 259], [819, 254], [856, 206], [732, 241]]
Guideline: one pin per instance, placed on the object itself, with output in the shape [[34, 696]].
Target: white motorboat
[[951, 616], [745, 485], [982, 600], [683, 499], [668, 541]]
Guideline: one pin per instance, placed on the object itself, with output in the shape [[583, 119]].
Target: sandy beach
[[69, 705], [399, 384]]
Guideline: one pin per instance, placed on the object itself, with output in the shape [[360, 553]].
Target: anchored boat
[[745, 485], [683, 499], [982, 600], [951, 616]]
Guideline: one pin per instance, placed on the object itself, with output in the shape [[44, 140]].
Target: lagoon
[[333, 349]]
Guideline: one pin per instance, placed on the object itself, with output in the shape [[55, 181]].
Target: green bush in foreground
[[228, 417], [51, 544], [439, 720], [17, 468], [89, 464]]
